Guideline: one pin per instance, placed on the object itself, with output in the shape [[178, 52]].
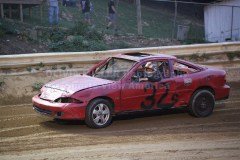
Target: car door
[[146, 94]]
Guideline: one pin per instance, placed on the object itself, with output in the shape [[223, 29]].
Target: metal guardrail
[[18, 61], [18, 79]]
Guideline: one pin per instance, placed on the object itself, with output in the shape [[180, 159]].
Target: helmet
[[150, 69]]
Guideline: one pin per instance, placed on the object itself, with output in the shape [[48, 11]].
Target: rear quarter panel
[[213, 79]]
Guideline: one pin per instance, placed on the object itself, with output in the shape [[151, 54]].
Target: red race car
[[133, 82]]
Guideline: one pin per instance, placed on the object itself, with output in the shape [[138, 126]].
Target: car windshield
[[114, 69]]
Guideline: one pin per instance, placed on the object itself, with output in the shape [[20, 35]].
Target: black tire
[[91, 117], [201, 104]]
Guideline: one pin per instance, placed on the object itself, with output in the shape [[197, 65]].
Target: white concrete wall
[[218, 21]]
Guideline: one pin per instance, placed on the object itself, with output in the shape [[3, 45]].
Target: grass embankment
[[73, 35], [156, 23]]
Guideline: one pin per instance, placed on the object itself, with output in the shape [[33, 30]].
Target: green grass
[[156, 23]]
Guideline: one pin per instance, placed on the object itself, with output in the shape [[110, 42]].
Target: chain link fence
[[160, 19]]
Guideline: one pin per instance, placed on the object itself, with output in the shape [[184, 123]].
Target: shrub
[[10, 27], [97, 46], [193, 41], [233, 55], [79, 28], [120, 45], [41, 65], [57, 36], [29, 69], [81, 37], [2, 82], [37, 86], [94, 35], [54, 67], [2, 32], [63, 67], [194, 57]]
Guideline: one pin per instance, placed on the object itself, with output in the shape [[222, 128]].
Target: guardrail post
[[21, 12], [2, 11], [232, 24], [10, 10], [175, 19], [30, 11], [41, 12]]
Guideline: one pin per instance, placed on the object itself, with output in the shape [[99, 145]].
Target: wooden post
[[232, 23], [2, 11], [41, 12], [10, 10], [175, 19], [117, 3], [139, 17], [21, 12], [30, 11]]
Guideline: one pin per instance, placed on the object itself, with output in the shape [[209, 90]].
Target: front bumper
[[59, 110]]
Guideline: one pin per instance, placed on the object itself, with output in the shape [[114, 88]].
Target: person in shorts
[[86, 6], [112, 15]]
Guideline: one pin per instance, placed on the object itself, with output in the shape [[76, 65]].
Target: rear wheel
[[99, 113], [202, 103]]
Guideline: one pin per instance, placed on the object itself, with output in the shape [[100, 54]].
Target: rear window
[[183, 69]]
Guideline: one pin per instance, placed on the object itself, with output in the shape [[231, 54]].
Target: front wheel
[[202, 103], [99, 113]]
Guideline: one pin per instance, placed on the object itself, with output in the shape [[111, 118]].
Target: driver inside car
[[148, 72]]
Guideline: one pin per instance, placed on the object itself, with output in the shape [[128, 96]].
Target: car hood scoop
[[69, 85]]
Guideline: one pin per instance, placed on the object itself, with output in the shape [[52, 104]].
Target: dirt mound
[[12, 44], [137, 42]]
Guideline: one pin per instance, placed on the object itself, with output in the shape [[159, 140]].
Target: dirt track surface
[[150, 135]]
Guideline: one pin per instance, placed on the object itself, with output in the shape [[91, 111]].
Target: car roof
[[140, 56]]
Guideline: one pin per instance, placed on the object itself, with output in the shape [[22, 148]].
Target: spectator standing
[[112, 15], [53, 12], [86, 8], [64, 3]]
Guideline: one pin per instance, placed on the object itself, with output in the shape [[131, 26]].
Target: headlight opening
[[67, 100]]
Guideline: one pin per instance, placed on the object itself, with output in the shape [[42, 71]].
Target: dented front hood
[[76, 83], [69, 85]]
